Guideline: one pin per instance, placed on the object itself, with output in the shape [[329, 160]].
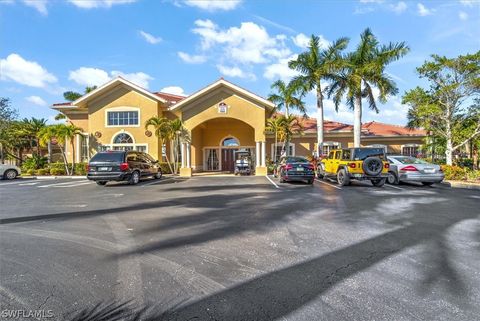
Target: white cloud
[[423, 11], [463, 15], [25, 72], [89, 4], [399, 7], [192, 59], [249, 43], [235, 72], [213, 5], [150, 38], [7, 2], [280, 70], [302, 41], [469, 3], [36, 100], [175, 90], [87, 76], [39, 5]]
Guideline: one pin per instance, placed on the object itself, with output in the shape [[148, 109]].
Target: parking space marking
[[391, 186], [66, 184], [317, 180], [28, 184], [155, 182], [273, 183]]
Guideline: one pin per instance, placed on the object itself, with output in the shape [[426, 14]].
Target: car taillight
[[409, 168], [386, 165], [123, 166], [352, 165], [288, 166]]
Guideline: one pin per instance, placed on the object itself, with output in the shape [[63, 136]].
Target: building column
[[264, 156], [257, 154], [187, 145], [182, 153]]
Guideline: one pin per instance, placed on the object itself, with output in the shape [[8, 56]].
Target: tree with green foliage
[[448, 107], [173, 132], [8, 115], [274, 125], [72, 96], [288, 96], [29, 130], [317, 64], [362, 71]]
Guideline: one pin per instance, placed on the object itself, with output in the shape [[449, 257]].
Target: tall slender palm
[[162, 131], [55, 132], [273, 125], [289, 126], [179, 134], [288, 96], [317, 64], [363, 70]]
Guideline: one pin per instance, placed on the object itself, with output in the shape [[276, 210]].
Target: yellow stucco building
[[220, 118]]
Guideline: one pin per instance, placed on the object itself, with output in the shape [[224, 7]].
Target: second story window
[[122, 118]]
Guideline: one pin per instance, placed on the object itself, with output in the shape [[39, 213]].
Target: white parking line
[[28, 184], [67, 184], [271, 181], [157, 181], [387, 185], [316, 179]]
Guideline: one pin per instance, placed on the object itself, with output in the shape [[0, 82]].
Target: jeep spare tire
[[372, 166]]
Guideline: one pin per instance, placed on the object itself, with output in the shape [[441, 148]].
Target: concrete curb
[[459, 184], [52, 177]]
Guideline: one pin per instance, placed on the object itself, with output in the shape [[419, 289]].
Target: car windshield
[[363, 153], [108, 157], [409, 160], [296, 160]]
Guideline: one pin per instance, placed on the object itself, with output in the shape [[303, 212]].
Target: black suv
[[122, 166]]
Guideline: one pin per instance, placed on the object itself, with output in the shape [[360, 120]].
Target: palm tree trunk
[[65, 163], [287, 139], [49, 145], [319, 120], [73, 155], [275, 148], [357, 121]]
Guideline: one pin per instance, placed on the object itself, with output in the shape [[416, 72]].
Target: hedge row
[[458, 173]]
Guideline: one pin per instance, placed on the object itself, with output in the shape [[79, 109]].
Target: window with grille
[[125, 118]]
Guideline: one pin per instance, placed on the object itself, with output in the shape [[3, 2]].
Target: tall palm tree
[[288, 96], [317, 64], [273, 125], [363, 70], [55, 132], [289, 126], [70, 132], [179, 134]]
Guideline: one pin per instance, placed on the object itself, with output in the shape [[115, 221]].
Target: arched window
[[230, 141], [123, 138]]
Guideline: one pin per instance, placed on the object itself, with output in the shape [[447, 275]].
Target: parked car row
[[366, 163]]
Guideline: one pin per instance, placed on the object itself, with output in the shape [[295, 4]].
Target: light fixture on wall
[[148, 133], [98, 134]]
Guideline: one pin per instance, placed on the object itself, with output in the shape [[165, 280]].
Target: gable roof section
[[170, 97], [103, 88], [222, 83]]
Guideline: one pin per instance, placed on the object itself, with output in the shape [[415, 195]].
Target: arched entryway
[[215, 141]]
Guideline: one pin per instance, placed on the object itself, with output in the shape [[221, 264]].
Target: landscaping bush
[[165, 168], [42, 171], [34, 162], [473, 175], [80, 169], [57, 171], [465, 162], [454, 172], [31, 172]]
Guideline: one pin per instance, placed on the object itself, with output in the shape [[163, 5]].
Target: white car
[[9, 171]]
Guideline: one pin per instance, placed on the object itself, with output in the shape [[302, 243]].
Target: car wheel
[[320, 172], [159, 174], [342, 178], [427, 183], [10, 174], [392, 178], [101, 182], [135, 178], [372, 166], [379, 182]]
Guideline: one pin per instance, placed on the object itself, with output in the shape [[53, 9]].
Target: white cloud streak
[[36, 100], [149, 37]]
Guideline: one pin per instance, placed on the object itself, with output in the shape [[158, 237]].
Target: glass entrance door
[[211, 157]]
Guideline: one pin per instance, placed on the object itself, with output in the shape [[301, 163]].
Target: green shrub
[[465, 162], [30, 172], [454, 172], [165, 168], [80, 169], [57, 171], [34, 162], [473, 175], [57, 165], [42, 171]]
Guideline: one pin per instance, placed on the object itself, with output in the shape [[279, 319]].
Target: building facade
[[220, 119]]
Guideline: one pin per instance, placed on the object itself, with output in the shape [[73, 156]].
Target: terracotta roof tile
[[170, 97]]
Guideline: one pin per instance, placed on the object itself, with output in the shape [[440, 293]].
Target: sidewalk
[[462, 184]]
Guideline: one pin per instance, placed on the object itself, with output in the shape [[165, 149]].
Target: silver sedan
[[9, 171], [411, 169]]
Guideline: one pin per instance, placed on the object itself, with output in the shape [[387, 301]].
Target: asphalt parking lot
[[242, 248]]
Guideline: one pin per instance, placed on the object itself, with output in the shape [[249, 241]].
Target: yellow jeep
[[355, 163]]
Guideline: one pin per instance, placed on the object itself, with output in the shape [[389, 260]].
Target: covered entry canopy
[[219, 111]]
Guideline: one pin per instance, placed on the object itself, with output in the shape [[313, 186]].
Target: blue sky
[[50, 46]]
